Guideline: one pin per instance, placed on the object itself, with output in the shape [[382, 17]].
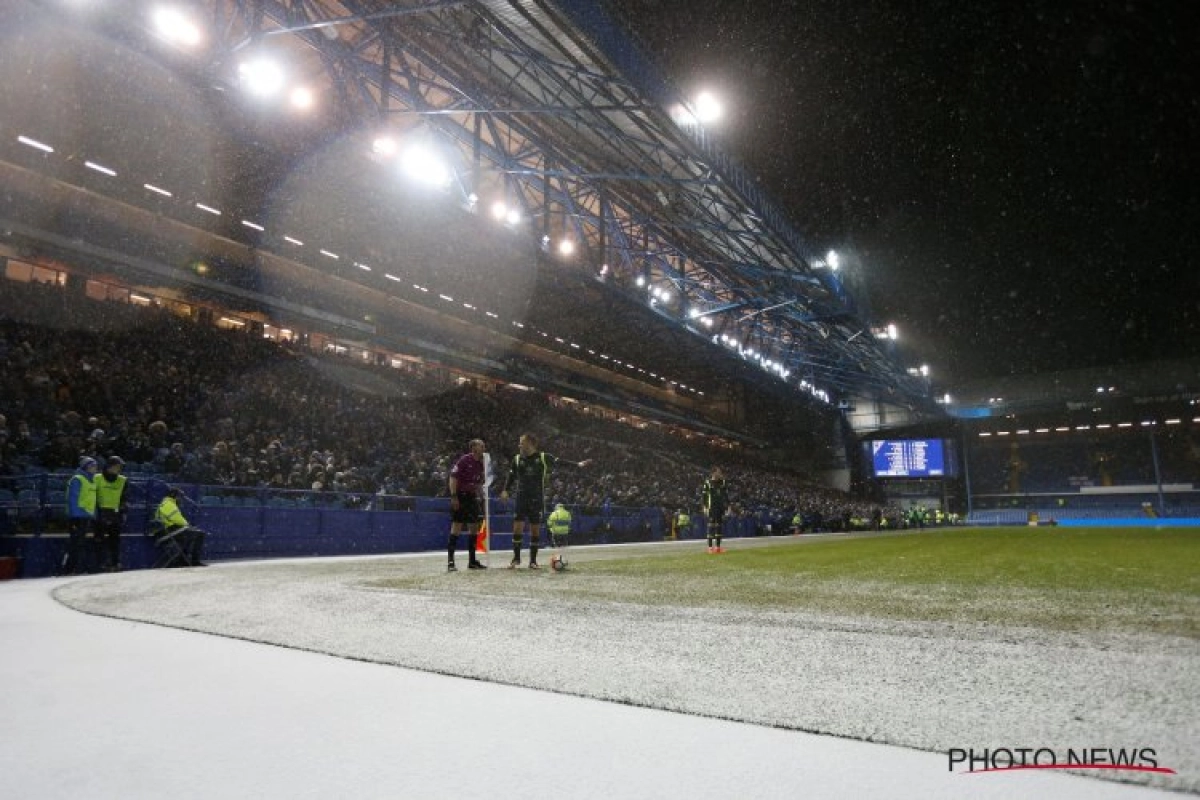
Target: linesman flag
[[481, 541]]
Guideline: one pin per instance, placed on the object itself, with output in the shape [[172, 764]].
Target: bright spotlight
[[422, 165], [302, 98], [893, 332], [831, 258], [499, 210], [384, 146], [566, 247], [695, 312], [665, 296], [706, 322], [641, 281], [261, 77], [924, 370], [513, 217], [174, 27], [708, 108]]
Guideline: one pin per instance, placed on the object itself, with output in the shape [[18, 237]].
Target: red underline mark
[[1125, 767]]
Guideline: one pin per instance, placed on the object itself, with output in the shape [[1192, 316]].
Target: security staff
[[559, 523], [683, 524], [191, 540], [110, 513], [81, 514]]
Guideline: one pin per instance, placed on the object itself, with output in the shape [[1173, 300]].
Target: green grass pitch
[[1078, 579]]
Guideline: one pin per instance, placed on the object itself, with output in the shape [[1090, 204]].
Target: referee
[[466, 506], [528, 475]]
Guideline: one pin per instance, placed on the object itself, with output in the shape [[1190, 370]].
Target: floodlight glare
[[302, 98], [261, 77], [566, 247], [831, 258], [422, 165], [893, 332], [384, 146], [174, 27], [695, 312], [513, 217], [924, 370], [708, 107], [499, 210], [640, 281]]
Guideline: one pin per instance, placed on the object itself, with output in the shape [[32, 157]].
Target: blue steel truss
[[552, 105]]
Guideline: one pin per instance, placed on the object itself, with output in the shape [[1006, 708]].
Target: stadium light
[[302, 98], [924, 370], [262, 77], [708, 107], [423, 165], [893, 332], [174, 27], [831, 258], [566, 247], [384, 146], [35, 144], [640, 281]]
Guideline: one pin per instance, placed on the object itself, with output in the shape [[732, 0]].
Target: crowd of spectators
[[196, 404]]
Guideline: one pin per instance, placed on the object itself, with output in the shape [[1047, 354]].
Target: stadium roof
[[552, 109]]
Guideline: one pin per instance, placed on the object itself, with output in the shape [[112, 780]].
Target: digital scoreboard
[[908, 458]]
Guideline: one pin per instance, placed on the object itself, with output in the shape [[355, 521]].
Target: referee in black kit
[[529, 474]]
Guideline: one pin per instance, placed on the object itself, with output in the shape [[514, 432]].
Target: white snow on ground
[[100, 707]]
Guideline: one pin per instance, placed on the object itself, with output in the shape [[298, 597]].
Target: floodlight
[[261, 77], [566, 247], [924, 370], [695, 312], [513, 217], [423, 165], [175, 27], [302, 98], [831, 258], [641, 281], [708, 107], [384, 146], [893, 332]]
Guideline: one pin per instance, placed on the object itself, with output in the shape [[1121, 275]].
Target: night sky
[[1018, 181]]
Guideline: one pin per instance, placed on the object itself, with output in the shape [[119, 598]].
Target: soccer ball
[[558, 563]]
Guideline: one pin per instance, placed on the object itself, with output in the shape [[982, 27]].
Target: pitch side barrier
[[270, 523]]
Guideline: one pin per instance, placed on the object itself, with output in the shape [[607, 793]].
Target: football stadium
[[420, 399]]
